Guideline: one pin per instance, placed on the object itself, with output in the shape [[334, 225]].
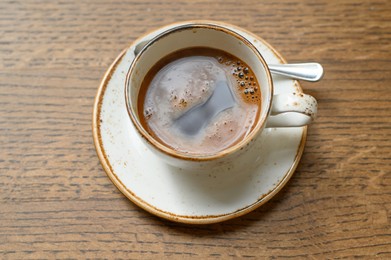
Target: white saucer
[[190, 197]]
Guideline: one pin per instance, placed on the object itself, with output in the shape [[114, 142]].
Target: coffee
[[199, 100]]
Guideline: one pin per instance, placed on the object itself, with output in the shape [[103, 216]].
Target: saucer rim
[[204, 219]]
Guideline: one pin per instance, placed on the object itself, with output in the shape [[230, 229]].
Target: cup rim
[[192, 156]]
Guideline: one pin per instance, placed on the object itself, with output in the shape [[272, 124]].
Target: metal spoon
[[304, 71]]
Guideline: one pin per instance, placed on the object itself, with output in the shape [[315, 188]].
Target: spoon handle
[[305, 71]]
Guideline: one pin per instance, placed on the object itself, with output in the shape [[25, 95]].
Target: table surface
[[56, 200]]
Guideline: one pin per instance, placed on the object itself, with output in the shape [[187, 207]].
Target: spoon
[[304, 71]]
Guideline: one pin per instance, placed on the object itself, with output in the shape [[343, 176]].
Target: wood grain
[[57, 202]]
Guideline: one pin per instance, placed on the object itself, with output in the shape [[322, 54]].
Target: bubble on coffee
[[197, 101]]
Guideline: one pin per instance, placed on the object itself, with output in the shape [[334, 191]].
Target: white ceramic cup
[[283, 110]]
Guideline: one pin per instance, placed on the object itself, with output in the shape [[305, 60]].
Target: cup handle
[[292, 110]]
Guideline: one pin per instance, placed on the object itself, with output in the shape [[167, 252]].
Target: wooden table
[[57, 202]]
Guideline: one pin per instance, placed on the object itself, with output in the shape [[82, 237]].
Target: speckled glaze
[[191, 196], [289, 108]]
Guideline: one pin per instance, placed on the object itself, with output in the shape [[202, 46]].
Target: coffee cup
[[283, 110]]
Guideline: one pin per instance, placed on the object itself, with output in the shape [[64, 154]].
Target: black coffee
[[199, 100]]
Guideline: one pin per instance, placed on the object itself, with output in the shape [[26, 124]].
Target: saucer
[[176, 194]]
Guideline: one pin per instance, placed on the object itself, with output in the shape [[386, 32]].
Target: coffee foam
[[179, 86], [186, 83]]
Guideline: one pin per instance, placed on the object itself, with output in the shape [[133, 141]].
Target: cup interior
[[197, 35]]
